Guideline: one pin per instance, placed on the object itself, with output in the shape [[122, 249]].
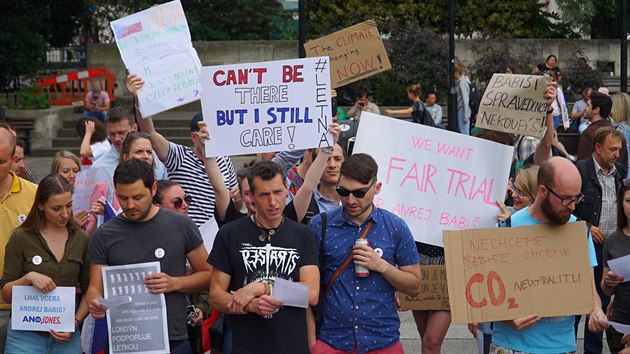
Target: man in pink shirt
[[96, 104]]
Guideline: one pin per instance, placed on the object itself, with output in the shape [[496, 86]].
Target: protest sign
[[356, 52], [155, 44], [32, 310], [433, 291], [267, 107], [508, 273], [84, 185], [432, 178], [514, 104], [139, 326]]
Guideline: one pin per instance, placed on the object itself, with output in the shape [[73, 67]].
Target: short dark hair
[[162, 186], [265, 170], [120, 113], [603, 102], [546, 174], [429, 93], [194, 122], [551, 56], [20, 143], [604, 132], [360, 167], [132, 170]]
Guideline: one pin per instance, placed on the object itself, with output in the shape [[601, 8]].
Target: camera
[[191, 315]]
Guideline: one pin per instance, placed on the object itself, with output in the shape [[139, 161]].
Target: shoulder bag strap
[[348, 259]]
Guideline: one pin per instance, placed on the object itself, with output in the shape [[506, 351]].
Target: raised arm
[[159, 142], [221, 192], [303, 196], [86, 149], [543, 150]]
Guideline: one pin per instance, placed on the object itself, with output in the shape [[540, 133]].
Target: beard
[[555, 217]]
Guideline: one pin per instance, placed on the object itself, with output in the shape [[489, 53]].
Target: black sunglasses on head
[[357, 193], [178, 202]]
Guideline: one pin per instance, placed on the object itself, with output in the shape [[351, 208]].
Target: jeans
[[5, 318], [19, 342], [180, 346], [464, 127], [98, 114]]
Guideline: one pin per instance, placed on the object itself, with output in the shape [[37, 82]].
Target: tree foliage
[[579, 75], [494, 56], [27, 27]]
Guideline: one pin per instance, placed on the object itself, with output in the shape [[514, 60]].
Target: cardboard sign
[[508, 273], [435, 179], [267, 107], [355, 53], [138, 326], [433, 291], [84, 185], [33, 310], [514, 104], [155, 44]]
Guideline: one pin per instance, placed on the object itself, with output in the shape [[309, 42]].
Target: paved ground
[[458, 339]]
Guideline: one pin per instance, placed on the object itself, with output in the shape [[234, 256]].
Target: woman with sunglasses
[[48, 250], [137, 145], [617, 245], [171, 195]]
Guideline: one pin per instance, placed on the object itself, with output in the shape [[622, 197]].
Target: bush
[[578, 75], [493, 56], [30, 97]]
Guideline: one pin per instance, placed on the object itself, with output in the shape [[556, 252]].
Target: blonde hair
[[63, 154], [528, 180], [461, 68], [415, 89], [620, 107]]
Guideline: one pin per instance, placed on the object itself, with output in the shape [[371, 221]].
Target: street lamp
[[452, 92]]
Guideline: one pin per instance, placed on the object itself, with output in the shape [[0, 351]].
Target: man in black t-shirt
[[249, 254]]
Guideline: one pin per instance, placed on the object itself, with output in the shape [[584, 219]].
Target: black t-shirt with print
[[238, 252]]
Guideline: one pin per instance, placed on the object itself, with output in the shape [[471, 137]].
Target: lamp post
[[302, 27], [624, 46], [452, 92]]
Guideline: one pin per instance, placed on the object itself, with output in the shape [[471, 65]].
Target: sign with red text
[[508, 273], [267, 107], [435, 179], [33, 310], [514, 104], [355, 53], [155, 44], [433, 291]]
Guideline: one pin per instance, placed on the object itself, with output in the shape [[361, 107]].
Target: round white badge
[[159, 253], [379, 252], [37, 260], [21, 218]]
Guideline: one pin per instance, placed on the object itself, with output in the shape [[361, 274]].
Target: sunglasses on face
[[178, 202], [357, 193], [566, 201]]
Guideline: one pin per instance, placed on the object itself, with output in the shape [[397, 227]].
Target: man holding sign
[[558, 193]]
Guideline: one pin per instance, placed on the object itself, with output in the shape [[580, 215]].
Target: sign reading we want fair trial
[[435, 179]]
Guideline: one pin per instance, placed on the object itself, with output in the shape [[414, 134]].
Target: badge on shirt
[[159, 253], [37, 260], [21, 218], [379, 251]]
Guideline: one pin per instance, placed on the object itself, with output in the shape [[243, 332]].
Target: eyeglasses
[[178, 202], [518, 192], [358, 193], [566, 201], [626, 182]]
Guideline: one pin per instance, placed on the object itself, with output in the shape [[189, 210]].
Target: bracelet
[[266, 285], [327, 150], [549, 111]]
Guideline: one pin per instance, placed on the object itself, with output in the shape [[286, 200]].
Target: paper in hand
[[621, 266], [115, 301], [290, 293]]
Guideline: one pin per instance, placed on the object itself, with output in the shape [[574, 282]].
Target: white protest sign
[[155, 44], [435, 179], [267, 107], [84, 185], [209, 233], [139, 326], [32, 310]]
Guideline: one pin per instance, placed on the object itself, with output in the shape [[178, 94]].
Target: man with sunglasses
[[558, 194], [360, 313], [602, 175]]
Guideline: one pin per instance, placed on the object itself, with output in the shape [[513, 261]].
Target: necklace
[[267, 234]]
